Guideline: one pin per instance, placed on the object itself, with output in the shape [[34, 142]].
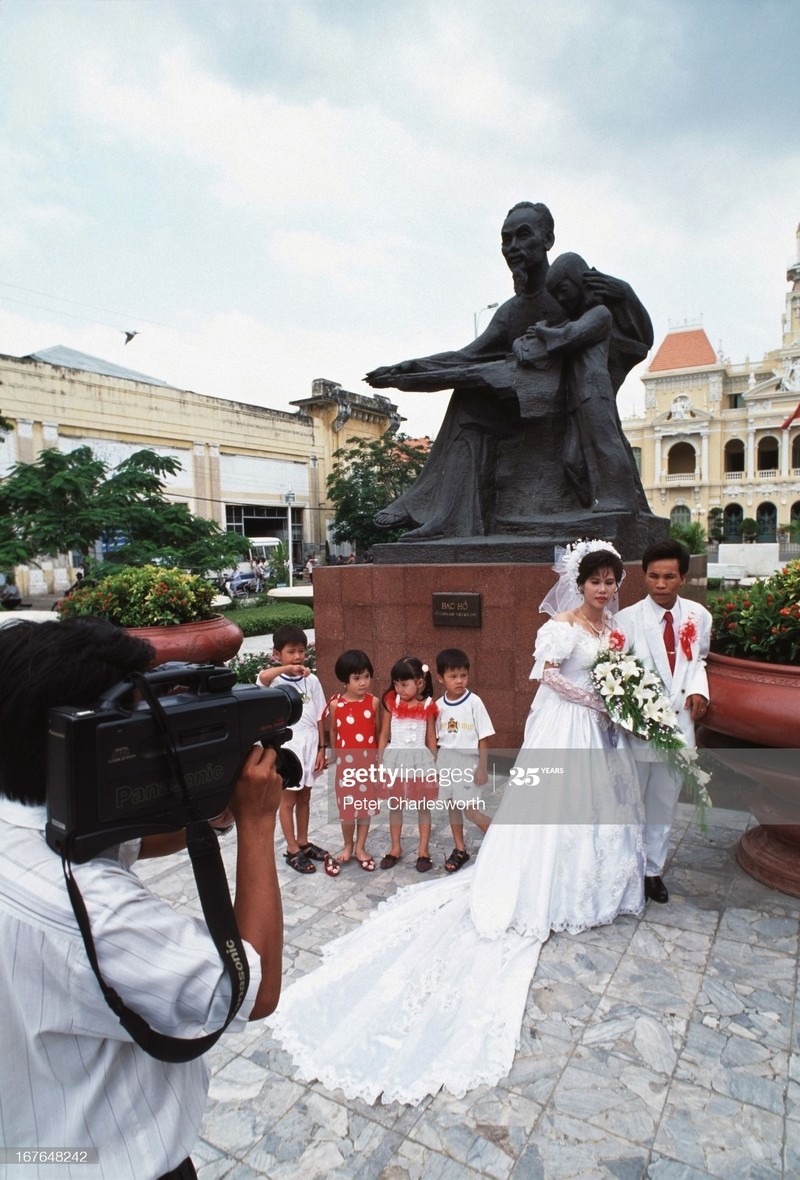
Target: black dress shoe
[[655, 890]]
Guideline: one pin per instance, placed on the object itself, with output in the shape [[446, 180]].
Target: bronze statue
[[505, 459]]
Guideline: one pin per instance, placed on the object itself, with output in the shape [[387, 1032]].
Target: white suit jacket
[[642, 627]]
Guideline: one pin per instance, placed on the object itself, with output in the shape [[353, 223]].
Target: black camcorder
[[111, 776]]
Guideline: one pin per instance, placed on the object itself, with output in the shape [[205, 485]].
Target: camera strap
[[215, 899]]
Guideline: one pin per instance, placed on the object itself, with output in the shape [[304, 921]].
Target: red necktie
[[669, 639]]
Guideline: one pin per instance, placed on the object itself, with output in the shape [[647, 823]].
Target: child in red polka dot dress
[[354, 739]]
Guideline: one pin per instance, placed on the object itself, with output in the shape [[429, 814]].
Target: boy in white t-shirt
[[307, 742], [463, 729]]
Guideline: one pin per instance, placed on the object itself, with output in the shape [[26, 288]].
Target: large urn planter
[[211, 641], [754, 723]]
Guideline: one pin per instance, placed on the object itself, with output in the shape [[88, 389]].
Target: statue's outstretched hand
[[378, 378]]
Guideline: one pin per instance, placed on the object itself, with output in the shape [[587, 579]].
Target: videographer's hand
[[257, 793], [255, 799]]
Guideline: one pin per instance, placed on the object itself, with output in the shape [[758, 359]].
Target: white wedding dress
[[430, 990]]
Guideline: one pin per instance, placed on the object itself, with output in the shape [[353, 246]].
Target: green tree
[[749, 529], [67, 502], [367, 475], [716, 524], [691, 535]]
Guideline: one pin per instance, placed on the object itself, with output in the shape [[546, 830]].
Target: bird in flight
[[130, 335]]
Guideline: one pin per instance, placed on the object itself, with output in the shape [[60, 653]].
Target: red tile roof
[[685, 348]]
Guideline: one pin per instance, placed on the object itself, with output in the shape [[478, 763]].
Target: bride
[[430, 990]]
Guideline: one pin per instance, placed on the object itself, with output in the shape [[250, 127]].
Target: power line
[[75, 303]]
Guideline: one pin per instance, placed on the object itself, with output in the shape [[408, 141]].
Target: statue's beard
[[520, 276]]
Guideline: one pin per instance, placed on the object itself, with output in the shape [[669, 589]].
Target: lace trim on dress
[[411, 710]]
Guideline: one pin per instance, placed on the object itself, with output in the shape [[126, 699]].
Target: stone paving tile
[[761, 928], [704, 888], [539, 1062], [661, 1168], [671, 944], [663, 1047], [486, 1130], [791, 1150], [316, 1137], [751, 894], [612, 1093], [663, 987], [719, 1136], [566, 1148], [646, 1038]]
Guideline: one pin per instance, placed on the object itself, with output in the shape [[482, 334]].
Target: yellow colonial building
[[718, 435], [249, 468]]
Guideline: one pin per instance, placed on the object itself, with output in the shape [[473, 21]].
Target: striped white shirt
[[70, 1076]]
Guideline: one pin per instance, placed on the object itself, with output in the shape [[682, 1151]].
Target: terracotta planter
[[211, 641], [754, 714], [757, 703]]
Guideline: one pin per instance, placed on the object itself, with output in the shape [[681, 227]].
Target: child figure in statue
[[595, 457]]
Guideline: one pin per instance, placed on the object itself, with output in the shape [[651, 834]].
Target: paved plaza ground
[[664, 1047]]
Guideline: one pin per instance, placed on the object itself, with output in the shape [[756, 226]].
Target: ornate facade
[[718, 435]]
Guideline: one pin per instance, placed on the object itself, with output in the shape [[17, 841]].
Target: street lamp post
[[476, 315], [289, 498]]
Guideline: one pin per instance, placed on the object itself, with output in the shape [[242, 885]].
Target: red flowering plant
[[143, 596], [762, 621]]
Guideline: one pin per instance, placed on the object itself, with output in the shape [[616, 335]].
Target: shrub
[[762, 621], [263, 619], [143, 596], [247, 667]]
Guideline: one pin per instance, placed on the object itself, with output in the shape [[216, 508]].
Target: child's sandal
[[456, 860], [332, 867], [299, 862], [314, 852]]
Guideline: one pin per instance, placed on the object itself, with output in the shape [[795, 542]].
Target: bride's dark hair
[[599, 559]]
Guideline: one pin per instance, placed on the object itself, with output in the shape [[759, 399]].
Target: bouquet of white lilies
[[636, 702]]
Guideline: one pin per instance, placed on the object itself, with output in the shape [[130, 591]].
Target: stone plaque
[[456, 609]]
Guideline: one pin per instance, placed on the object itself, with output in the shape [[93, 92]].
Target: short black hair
[[47, 664], [351, 663], [599, 559], [450, 658], [288, 633], [410, 668], [667, 551]]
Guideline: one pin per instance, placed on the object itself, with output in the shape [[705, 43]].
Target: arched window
[[681, 514], [796, 454], [732, 523], [767, 519], [795, 512], [734, 456], [768, 451], [682, 459]]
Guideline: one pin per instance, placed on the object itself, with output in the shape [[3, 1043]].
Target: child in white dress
[[407, 747]]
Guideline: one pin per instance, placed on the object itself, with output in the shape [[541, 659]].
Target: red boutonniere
[[616, 641], [687, 636]]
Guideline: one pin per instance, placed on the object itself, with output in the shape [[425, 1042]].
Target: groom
[[670, 635]]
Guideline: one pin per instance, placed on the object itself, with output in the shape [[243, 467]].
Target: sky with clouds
[[270, 191]]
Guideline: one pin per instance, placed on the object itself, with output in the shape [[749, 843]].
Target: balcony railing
[[731, 475], [682, 477], [767, 473]]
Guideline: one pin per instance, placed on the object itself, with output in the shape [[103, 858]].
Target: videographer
[[70, 1076]]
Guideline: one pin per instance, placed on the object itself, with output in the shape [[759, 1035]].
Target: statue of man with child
[[531, 444]]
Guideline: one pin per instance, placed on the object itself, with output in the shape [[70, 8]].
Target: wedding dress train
[[429, 992]]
